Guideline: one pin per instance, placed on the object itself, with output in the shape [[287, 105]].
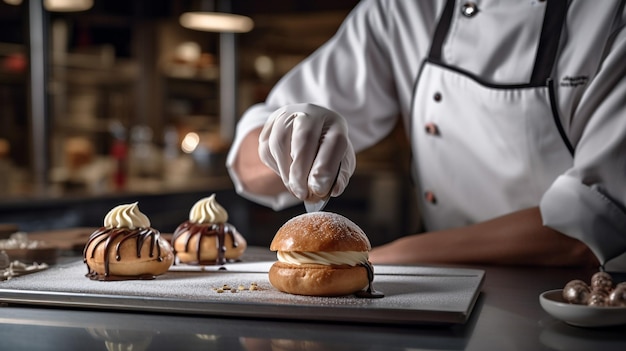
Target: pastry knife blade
[[311, 207]]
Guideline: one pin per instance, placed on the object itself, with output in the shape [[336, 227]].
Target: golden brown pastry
[[126, 247], [321, 254], [206, 238]]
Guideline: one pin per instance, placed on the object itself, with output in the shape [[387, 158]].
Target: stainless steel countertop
[[507, 317]]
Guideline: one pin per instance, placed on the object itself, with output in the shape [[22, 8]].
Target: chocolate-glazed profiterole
[[206, 238], [126, 247]]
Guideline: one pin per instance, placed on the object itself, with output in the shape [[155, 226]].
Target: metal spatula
[[319, 205]]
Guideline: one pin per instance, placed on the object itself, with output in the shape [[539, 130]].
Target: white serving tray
[[413, 294]]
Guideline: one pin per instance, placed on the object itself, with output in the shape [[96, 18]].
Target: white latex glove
[[306, 144]]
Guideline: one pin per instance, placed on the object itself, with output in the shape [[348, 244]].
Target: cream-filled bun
[[207, 237], [320, 254], [126, 247]]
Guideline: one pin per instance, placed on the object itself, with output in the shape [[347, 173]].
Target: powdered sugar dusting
[[326, 231]]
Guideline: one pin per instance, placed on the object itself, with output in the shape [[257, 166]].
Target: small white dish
[[581, 315]]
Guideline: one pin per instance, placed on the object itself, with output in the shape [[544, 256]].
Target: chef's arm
[[254, 176], [518, 238]]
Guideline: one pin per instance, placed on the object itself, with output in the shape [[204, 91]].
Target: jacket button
[[429, 196], [437, 97], [431, 129], [469, 9]]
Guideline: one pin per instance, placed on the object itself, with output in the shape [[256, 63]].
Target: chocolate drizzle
[[370, 292], [107, 236], [206, 231]]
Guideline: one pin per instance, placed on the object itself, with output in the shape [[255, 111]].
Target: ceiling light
[[216, 22], [60, 5], [67, 5]]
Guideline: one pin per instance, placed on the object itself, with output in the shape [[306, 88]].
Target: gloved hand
[[306, 144]]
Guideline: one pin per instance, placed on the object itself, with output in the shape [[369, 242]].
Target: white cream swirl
[[351, 258], [126, 216], [207, 210]]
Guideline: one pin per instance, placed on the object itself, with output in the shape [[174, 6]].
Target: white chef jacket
[[367, 72]]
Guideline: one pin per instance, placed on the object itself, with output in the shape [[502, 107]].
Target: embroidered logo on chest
[[573, 81]]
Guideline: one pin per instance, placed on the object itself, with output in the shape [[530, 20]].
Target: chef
[[516, 115]]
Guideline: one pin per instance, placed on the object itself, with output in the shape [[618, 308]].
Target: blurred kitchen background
[[117, 101]]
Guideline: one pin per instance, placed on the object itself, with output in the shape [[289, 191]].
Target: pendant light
[[67, 5], [208, 20], [60, 5], [216, 22]]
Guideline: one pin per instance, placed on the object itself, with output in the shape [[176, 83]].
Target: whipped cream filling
[[351, 258], [126, 216], [208, 210]]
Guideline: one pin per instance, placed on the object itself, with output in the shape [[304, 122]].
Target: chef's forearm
[[518, 239], [253, 174]]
